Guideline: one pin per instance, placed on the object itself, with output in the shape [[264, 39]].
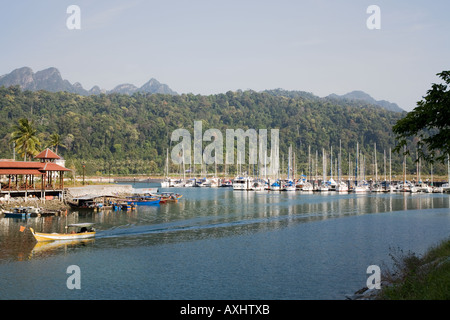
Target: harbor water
[[216, 243]]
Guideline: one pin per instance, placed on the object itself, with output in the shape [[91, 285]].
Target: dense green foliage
[[429, 122], [123, 134]]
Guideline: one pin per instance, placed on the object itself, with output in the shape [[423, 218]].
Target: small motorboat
[[142, 200], [168, 197], [23, 212], [79, 231]]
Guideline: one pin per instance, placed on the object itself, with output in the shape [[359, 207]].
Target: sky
[[208, 47]]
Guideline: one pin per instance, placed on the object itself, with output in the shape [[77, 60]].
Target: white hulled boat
[[242, 183]]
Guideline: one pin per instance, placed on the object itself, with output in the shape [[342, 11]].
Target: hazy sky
[[207, 47]]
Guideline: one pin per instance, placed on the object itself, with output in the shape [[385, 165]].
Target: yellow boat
[[81, 231]]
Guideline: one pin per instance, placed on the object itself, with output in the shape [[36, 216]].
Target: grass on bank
[[419, 278]]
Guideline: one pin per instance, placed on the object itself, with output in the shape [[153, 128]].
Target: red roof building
[[21, 174], [47, 155]]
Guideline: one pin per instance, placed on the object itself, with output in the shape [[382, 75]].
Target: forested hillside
[[129, 134]]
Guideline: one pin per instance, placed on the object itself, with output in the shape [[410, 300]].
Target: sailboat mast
[[289, 162], [404, 166], [448, 168], [309, 163], [417, 166], [184, 170], [339, 161], [167, 164], [390, 166], [331, 162], [324, 166], [293, 167], [356, 163], [376, 166], [384, 159], [317, 156]]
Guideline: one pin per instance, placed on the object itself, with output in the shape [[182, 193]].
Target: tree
[[55, 141], [25, 138], [429, 122]]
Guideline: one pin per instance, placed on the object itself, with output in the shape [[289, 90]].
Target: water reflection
[[203, 213]]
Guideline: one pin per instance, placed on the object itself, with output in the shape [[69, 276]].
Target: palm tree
[[25, 138], [55, 141]]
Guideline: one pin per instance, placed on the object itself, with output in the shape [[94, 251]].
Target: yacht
[[342, 187], [307, 186], [242, 183], [376, 187], [165, 183], [288, 185], [258, 185], [189, 183], [332, 185], [275, 186], [361, 188]]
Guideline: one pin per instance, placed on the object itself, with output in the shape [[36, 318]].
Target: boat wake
[[130, 230], [161, 228]]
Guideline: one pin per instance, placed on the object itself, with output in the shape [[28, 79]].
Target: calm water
[[224, 244]]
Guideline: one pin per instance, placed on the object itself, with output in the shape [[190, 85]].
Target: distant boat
[[242, 183], [143, 200], [214, 182], [258, 185], [23, 212], [307, 186], [289, 186], [361, 188], [227, 184], [123, 206], [176, 183], [168, 197], [446, 187], [377, 188], [190, 183], [304, 185], [81, 231], [165, 183], [342, 187], [275, 186], [204, 183]]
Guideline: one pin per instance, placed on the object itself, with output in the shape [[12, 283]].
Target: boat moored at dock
[[242, 183], [143, 200], [23, 212]]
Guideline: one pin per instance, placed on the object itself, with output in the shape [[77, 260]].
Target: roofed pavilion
[[21, 175], [47, 156]]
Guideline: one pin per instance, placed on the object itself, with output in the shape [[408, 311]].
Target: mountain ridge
[[50, 79], [355, 97], [358, 95]]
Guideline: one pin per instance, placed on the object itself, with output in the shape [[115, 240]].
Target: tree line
[[130, 134]]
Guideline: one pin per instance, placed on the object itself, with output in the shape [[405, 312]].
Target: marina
[[247, 183]]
